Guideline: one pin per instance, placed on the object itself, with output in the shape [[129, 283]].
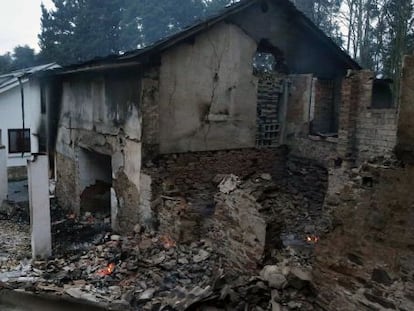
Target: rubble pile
[[366, 261], [213, 239], [146, 271], [14, 244]]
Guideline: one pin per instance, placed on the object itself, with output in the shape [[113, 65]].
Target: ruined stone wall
[[191, 178], [364, 132], [233, 197], [405, 148], [208, 93], [376, 132], [299, 139], [101, 114]]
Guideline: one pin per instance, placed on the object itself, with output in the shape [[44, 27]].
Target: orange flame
[[312, 239], [108, 270], [167, 241]]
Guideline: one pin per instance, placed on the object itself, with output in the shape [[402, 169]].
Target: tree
[[76, 30], [23, 57], [5, 63]]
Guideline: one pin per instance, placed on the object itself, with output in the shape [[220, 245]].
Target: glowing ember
[[108, 270], [312, 239], [167, 241]]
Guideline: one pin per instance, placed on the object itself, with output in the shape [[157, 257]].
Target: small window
[[264, 62], [382, 97], [19, 140], [42, 100]]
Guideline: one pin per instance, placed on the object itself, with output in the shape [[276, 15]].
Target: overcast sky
[[20, 23]]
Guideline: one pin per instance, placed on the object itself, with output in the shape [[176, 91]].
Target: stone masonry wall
[[364, 132], [234, 197], [376, 132]]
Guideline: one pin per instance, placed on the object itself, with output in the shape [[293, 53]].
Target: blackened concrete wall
[[100, 113]]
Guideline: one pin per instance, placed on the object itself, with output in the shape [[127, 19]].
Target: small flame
[[108, 270], [312, 239], [167, 241]]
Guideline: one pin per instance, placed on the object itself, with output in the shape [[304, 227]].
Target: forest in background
[[376, 33]]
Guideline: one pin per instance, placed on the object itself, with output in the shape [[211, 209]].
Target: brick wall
[[364, 132], [376, 132], [269, 96]]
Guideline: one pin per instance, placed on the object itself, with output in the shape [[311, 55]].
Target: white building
[[22, 128]]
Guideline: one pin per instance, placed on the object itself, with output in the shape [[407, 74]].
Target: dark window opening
[[268, 58], [382, 97], [19, 140], [42, 100], [264, 62]]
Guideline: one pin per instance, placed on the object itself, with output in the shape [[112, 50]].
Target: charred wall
[[364, 131], [100, 114], [285, 30]]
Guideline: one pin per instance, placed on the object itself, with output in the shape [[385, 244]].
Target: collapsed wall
[[98, 148], [244, 200], [366, 262]]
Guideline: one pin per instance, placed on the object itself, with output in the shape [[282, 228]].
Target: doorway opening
[[95, 172]]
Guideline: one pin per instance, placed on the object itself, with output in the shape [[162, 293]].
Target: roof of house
[[141, 56], [11, 79]]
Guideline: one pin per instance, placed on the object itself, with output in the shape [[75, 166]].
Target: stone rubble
[[152, 271]]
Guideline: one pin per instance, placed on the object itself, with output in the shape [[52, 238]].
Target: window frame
[[26, 145]]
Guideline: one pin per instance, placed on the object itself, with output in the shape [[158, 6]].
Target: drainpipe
[[22, 99]]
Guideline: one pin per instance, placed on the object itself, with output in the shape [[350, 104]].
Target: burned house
[[219, 97]]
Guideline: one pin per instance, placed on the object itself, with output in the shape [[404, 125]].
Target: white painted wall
[[11, 118]]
